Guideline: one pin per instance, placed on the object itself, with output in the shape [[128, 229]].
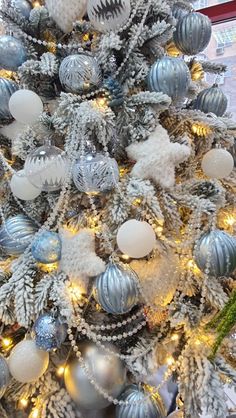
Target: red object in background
[[220, 12]]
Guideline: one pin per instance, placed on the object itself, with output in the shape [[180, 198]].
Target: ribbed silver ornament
[[211, 100], [7, 88], [170, 76], [193, 33], [219, 249], [16, 234], [116, 289]]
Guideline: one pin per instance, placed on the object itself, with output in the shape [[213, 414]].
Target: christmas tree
[[117, 213]]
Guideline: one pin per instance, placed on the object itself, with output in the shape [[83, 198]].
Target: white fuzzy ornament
[[65, 12], [78, 259], [157, 157]]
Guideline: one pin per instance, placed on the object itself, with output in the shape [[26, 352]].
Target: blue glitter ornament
[[115, 94], [12, 53], [7, 88], [50, 332], [23, 7], [46, 248], [4, 375], [16, 234]]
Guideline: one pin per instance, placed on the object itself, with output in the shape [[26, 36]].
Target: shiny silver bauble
[[211, 100]]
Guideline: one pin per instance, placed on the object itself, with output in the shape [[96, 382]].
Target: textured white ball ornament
[[27, 363], [136, 239], [65, 12], [108, 15], [25, 106], [217, 163], [22, 188]]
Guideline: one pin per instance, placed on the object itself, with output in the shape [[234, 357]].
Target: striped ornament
[[211, 100], [7, 88], [137, 407], [16, 234]]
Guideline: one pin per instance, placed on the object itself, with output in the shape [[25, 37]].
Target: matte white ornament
[[22, 188], [25, 106], [65, 12], [106, 15], [136, 239], [217, 163], [27, 363]]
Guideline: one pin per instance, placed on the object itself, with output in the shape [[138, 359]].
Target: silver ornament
[[179, 10], [219, 249], [151, 408], [46, 248], [50, 332], [170, 76], [95, 173], [108, 372], [116, 289], [12, 53], [4, 375], [16, 234], [108, 15], [23, 7], [211, 100], [193, 33], [79, 73], [7, 88]]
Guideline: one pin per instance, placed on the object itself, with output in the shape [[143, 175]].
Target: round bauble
[[22, 188], [136, 239], [79, 73], [50, 332], [23, 7], [4, 375], [46, 168], [171, 76], [217, 163], [211, 100], [193, 33], [12, 53], [27, 363], [149, 408], [108, 372], [16, 234], [179, 10], [66, 12], [7, 88], [116, 289], [25, 106], [46, 247], [219, 250], [109, 15], [95, 173]]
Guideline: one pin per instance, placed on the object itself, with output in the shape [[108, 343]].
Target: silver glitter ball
[[95, 173], [193, 33], [16, 234], [211, 100], [50, 332], [12, 53], [219, 248], [23, 7], [46, 247], [7, 88], [170, 76], [79, 73], [4, 375], [116, 289], [151, 408]]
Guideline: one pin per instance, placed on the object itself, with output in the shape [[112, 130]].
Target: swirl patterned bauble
[[12, 53], [193, 33], [108, 372], [106, 15], [150, 408], [50, 332], [23, 7], [116, 289], [4, 375], [79, 73], [7, 88], [95, 173], [211, 100], [66, 12], [16, 234], [46, 168], [46, 247], [219, 250], [171, 76]]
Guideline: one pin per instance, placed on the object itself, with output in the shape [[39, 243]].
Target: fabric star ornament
[[157, 157]]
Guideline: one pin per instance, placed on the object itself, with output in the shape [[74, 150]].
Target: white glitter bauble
[[25, 106], [136, 239], [65, 12], [108, 15], [22, 188], [217, 163]]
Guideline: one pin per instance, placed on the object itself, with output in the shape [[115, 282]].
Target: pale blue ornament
[[211, 100], [7, 88], [4, 375], [16, 234], [50, 332], [116, 289], [12, 53], [138, 408], [170, 76], [46, 248], [23, 7]]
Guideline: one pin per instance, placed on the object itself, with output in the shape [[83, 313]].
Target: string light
[[34, 413], [24, 402], [60, 371], [170, 360], [100, 103], [7, 343], [75, 292], [125, 257], [174, 337], [201, 130], [48, 268], [36, 4]]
